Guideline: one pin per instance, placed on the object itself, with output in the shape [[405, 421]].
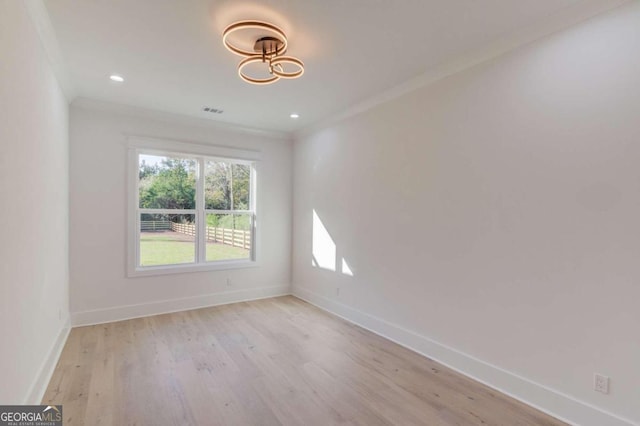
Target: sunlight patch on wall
[[323, 247], [345, 268]]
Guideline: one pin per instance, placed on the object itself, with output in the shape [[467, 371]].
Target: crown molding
[[49, 41], [567, 17], [172, 117]]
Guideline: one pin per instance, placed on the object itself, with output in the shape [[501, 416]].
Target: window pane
[[227, 186], [166, 182], [228, 236], [167, 239]]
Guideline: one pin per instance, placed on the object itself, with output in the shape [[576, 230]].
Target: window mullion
[[167, 211], [136, 198], [252, 207], [213, 211], [201, 240]]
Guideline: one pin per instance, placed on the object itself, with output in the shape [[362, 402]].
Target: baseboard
[[40, 383], [543, 398], [119, 313]]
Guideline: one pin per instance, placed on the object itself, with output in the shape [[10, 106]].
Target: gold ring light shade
[[269, 48]]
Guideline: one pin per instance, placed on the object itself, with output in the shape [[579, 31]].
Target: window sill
[[186, 268]]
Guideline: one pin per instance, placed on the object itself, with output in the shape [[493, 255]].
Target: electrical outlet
[[59, 314], [600, 383], [337, 291], [229, 282]]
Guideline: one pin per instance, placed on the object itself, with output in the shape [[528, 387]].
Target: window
[[191, 212]]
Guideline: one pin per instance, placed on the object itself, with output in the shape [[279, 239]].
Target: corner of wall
[[41, 381]]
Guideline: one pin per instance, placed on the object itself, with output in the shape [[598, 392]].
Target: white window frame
[[200, 152]]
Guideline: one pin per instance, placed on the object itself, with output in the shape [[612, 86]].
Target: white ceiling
[[171, 55]]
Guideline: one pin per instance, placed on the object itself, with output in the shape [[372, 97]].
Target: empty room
[[320, 212]]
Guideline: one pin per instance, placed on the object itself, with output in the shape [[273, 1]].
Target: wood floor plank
[[274, 362]]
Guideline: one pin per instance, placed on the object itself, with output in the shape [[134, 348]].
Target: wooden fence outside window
[[230, 237]]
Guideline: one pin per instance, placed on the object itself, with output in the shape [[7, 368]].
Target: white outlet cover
[[601, 383]]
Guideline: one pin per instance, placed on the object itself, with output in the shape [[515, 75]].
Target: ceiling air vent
[[212, 110]]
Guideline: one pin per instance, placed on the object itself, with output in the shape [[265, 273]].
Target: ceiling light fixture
[[294, 115], [116, 78], [269, 48]]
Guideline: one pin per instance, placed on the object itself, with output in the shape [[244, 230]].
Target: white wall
[[492, 217], [100, 290], [33, 210]]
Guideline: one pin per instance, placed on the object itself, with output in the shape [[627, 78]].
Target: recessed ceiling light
[[116, 78], [294, 115]]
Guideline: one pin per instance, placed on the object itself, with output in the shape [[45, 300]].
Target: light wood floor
[[268, 362]]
